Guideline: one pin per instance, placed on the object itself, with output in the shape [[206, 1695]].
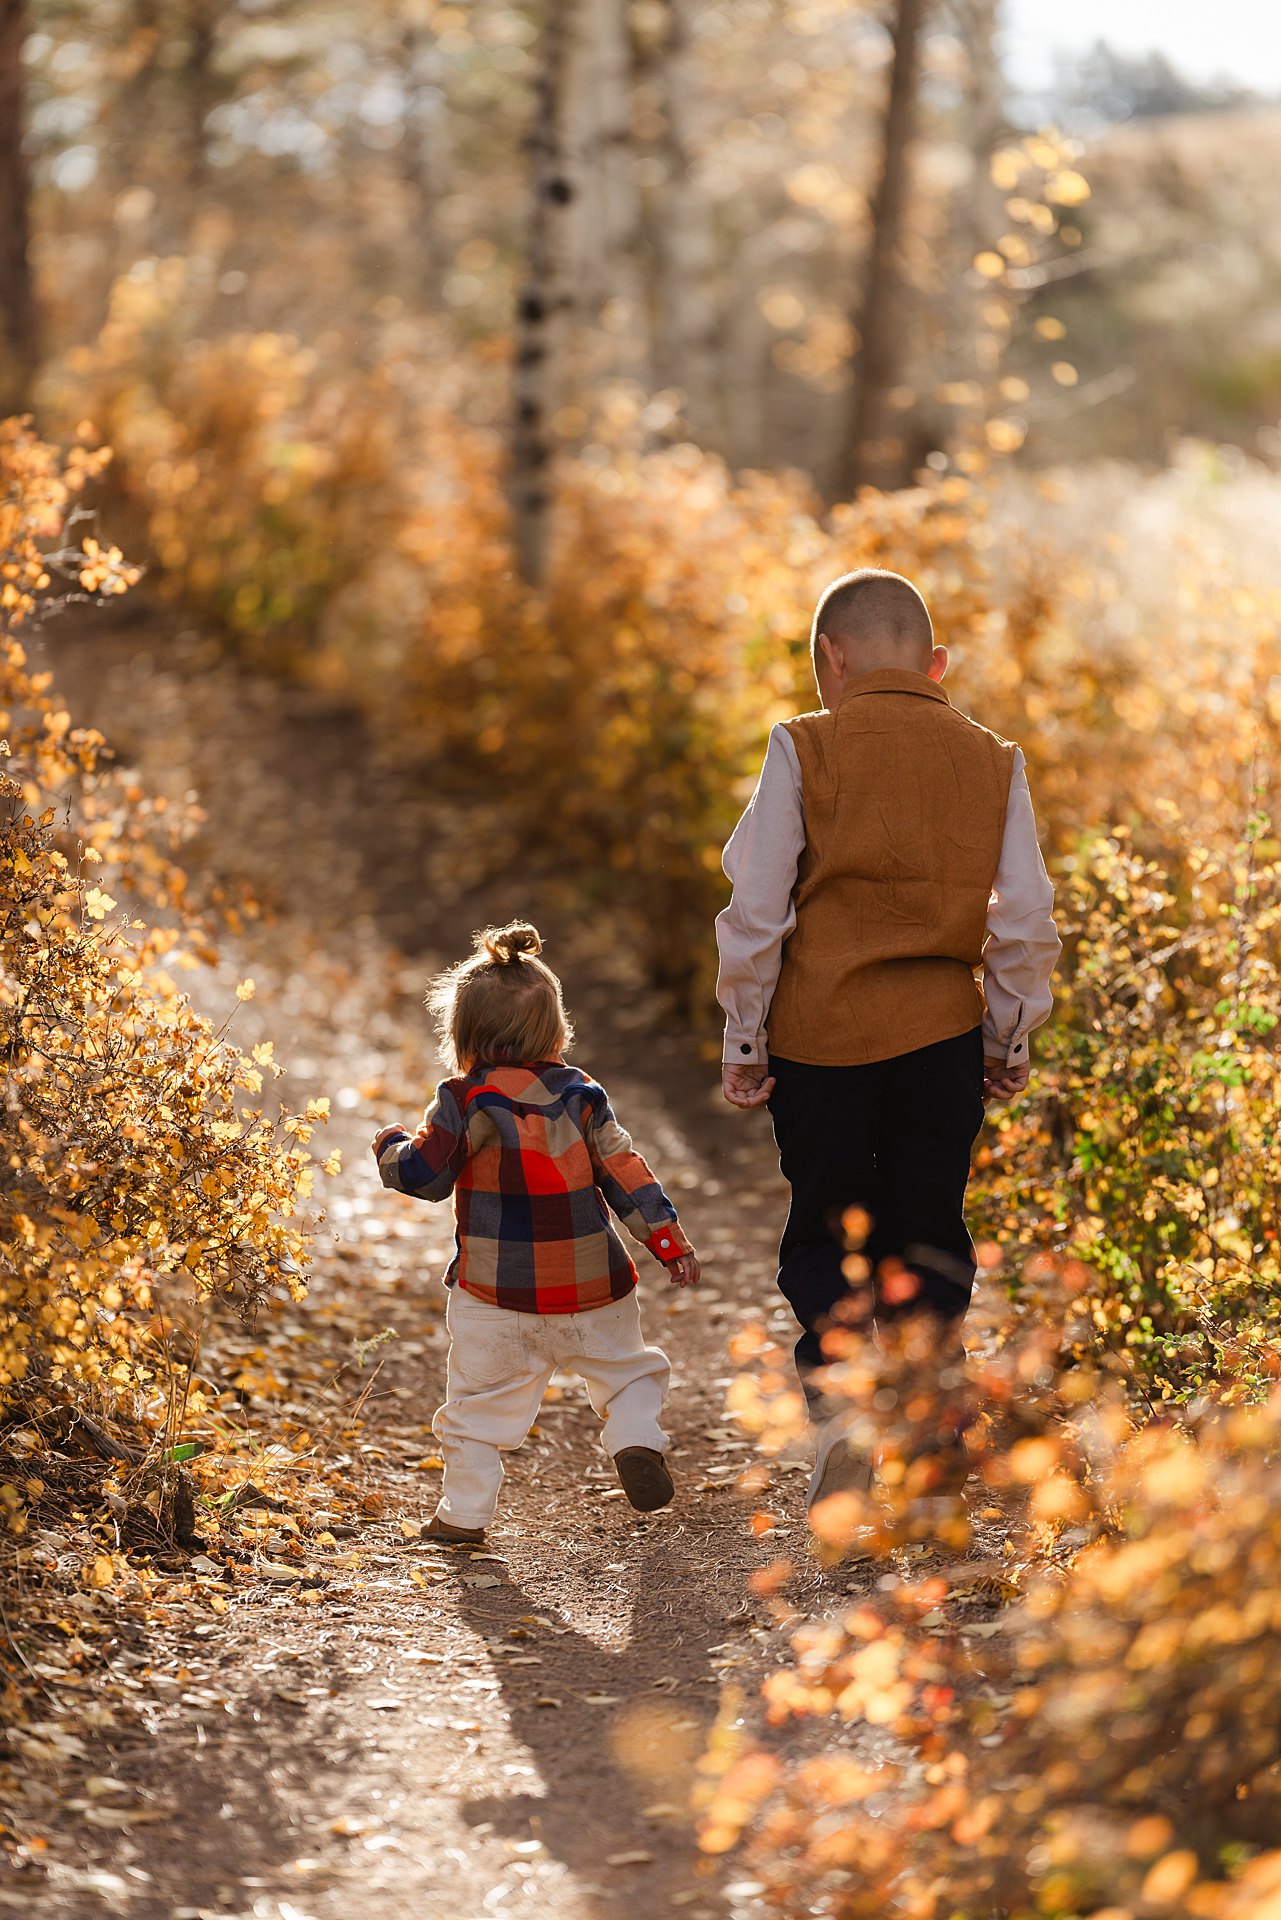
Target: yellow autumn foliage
[[346, 521], [1086, 1725], [134, 1147]]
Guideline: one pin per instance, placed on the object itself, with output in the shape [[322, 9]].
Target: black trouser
[[893, 1138]]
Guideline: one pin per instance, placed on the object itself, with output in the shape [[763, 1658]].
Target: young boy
[[888, 854]]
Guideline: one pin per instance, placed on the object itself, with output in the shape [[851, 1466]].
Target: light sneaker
[[839, 1467]]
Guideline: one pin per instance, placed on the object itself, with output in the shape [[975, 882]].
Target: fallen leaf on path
[[123, 1816], [273, 1570], [94, 1880], [637, 1858], [248, 1494]]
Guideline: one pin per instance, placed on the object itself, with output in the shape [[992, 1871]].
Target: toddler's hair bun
[[506, 944]]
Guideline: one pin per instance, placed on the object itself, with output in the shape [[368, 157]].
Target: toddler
[[540, 1280]]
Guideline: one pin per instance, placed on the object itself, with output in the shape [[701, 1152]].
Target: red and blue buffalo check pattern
[[535, 1160]]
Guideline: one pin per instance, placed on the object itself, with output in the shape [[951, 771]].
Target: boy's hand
[[746, 1086], [1002, 1082], [685, 1271], [383, 1136]]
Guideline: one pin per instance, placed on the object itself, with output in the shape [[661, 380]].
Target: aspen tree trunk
[[982, 219], [545, 300], [609, 237], [421, 152], [17, 298], [978, 23], [138, 154], [686, 351], [198, 85], [746, 354], [879, 317]]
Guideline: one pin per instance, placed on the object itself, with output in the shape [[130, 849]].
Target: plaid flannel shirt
[[532, 1154]]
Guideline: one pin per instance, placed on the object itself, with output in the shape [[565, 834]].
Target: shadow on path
[[640, 1706]]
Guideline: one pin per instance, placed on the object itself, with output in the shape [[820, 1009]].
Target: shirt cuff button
[[745, 1048]]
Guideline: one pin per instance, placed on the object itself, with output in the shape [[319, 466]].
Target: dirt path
[[507, 1733]]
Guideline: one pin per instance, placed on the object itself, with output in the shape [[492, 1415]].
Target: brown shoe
[[444, 1535], [644, 1478]]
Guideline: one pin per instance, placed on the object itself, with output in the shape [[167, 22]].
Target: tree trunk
[[745, 367], [198, 85], [137, 154], [687, 346], [421, 152], [982, 217], [17, 299], [607, 229], [545, 300], [869, 455]]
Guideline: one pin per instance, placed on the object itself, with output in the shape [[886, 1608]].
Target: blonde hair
[[501, 1006]]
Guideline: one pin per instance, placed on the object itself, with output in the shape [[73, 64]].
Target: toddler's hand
[[685, 1271], [383, 1136]]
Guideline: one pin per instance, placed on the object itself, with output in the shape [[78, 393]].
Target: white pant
[[499, 1365]]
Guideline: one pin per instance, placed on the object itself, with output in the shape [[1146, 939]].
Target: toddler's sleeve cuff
[[668, 1243]]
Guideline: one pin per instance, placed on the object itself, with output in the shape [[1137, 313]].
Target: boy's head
[[868, 620], [503, 1005]]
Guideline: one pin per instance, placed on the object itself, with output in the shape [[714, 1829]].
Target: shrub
[[1149, 1147], [133, 1152], [257, 468], [1108, 1743], [339, 525]]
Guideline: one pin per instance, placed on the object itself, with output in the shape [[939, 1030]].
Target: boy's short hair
[[869, 601], [503, 1005]]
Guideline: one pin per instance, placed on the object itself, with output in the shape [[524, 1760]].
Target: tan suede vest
[[904, 803]]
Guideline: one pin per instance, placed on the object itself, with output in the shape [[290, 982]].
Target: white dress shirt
[[761, 860]]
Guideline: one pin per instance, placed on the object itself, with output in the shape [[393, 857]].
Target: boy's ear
[[833, 651], [938, 664]]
